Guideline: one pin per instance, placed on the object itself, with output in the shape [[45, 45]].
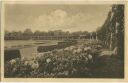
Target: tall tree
[[112, 31]]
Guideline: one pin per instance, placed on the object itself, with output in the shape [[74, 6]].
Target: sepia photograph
[[64, 40], [0, 41]]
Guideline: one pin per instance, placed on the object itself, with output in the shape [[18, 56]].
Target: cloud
[[54, 17], [59, 19]]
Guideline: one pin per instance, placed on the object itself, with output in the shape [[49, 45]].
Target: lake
[[28, 48]]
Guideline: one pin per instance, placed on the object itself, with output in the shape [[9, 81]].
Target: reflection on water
[[21, 43], [28, 48], [16, 43]]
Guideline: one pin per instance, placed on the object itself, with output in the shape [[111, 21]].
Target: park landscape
[[67, 54]]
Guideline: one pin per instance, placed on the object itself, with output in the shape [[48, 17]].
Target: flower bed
[[73, 61]]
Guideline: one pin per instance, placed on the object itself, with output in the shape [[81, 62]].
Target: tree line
[[112, 31], [28, 34]]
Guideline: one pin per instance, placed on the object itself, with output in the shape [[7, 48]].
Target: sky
[[48, 17]]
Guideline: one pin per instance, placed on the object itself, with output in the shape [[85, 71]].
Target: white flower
[[35, 65], [48, 60], [99, 46], [74, 51], [49, 52], [13, 61], [29, 62], [79, 50], [89, 56], [86, 59], [39, 55], [66, 49], [26, 63], [87, 48], [71, 48], [66, 73]]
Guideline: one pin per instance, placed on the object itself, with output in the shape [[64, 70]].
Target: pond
[[20, 43], [27, 48]]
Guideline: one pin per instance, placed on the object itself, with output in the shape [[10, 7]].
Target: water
[[16, 43], [28, 48]]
